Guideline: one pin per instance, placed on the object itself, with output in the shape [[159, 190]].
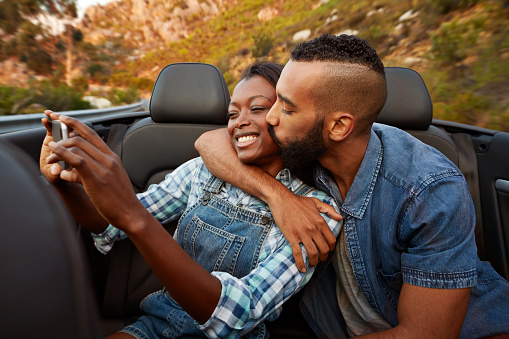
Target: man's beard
[[301, 154]]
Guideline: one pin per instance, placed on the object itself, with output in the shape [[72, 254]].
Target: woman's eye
[[258, 108], [232, 115]]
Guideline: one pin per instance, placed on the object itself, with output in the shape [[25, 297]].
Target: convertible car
[[55, 284]]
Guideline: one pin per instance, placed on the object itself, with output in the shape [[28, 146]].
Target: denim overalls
[[221, 237]]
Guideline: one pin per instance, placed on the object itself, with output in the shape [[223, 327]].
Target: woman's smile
[[251, 101]]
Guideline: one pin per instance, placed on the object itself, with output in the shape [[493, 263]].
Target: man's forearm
[[219, 156]]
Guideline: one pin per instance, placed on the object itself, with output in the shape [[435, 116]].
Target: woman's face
[[250, 103]]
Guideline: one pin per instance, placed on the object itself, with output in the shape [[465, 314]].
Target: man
[[406, 262]]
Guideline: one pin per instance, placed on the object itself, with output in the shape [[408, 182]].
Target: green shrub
[[39, 61], [59, 97], [451, 42], [121, 97], [446, 6], [96, 71], [80, 84], [263, 44]]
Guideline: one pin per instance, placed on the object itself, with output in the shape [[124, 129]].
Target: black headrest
[[190, 93], [408, 104]]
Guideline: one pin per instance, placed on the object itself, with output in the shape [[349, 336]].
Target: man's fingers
[[297, 255], [327, 209], [312, 251], [323, 248]]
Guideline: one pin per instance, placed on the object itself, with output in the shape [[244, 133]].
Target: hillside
[[460, 47]]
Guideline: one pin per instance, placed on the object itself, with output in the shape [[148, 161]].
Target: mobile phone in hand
[[60, 131]]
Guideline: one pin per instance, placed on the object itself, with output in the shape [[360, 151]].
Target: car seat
[[409, 107], [45, 285], [188, 99]]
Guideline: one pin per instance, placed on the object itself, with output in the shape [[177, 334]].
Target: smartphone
[[60, 132]]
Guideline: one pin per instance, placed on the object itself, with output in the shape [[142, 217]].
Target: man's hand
[[298, 217], [300, 221], [100, 171]]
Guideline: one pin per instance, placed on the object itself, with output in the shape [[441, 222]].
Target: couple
[[405, 263]]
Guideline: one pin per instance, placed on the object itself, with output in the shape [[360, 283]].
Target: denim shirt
[[409, 218]]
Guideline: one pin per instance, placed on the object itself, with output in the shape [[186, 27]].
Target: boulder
[[301, 35]]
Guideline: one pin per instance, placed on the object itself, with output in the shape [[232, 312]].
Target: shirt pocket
[[391, 285], [213, 248]]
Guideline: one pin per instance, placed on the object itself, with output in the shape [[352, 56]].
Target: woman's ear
[[340, 125]]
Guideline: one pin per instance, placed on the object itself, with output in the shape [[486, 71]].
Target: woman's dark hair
[[270, 71]]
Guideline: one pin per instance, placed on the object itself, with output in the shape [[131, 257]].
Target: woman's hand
[[101, 173], [51, 171]]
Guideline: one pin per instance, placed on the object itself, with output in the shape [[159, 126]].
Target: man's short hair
[[354, 81]]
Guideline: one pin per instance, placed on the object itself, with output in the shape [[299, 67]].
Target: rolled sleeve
[[439, 228]]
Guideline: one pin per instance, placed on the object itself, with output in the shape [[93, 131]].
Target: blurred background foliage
[[460, 47]]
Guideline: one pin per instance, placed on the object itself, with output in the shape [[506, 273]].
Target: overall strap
[[213, 185]]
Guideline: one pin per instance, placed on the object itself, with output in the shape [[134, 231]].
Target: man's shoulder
[[409, 162]]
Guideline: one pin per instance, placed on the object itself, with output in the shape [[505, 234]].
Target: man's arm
[[428, 313], [298, 217], [438, 228]]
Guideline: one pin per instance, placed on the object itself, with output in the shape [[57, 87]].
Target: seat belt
[[115, 136], [468, 166]]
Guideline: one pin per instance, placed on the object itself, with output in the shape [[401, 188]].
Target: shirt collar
[[286, 178], [361, 191]]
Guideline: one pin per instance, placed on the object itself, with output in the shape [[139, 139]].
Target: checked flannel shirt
[[247, 301]]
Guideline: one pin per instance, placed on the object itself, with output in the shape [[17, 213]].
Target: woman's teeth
[[247, 138]]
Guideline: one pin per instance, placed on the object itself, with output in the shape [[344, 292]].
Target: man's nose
[[272, 117]]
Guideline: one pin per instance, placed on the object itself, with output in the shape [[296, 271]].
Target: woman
[[233, 268]]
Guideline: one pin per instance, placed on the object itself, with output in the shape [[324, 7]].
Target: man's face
[[295, 126]]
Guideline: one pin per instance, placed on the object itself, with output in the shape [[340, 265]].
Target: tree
[[18, 17]]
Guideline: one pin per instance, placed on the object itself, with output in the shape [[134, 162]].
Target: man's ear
[[339, 125]]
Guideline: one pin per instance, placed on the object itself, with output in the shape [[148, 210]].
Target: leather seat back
[[45, 284]]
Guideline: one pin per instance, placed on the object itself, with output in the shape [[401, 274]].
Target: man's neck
[[343, 161]]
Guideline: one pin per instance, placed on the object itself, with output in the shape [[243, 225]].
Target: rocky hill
[[461, 48]]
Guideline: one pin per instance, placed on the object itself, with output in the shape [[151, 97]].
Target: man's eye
[[232, 115], [285, 111]]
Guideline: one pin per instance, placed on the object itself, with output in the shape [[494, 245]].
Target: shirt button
[[240, 205], [265, 220]]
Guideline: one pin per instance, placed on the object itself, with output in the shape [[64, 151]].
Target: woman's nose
[[242, 120]]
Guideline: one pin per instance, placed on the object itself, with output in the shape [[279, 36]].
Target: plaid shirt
[[247, 301]]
